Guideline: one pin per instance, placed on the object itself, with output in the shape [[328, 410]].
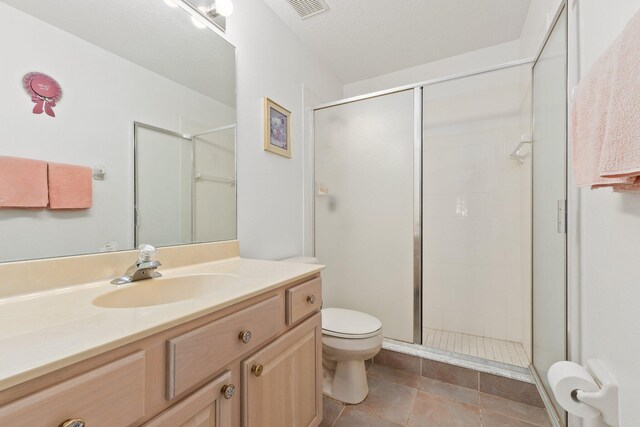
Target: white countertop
[[46, 331]]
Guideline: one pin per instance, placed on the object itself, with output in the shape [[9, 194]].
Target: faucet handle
[[147, 253]]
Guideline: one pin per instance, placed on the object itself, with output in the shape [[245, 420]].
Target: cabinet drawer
[[194, 356], [209, 406], [112, 395], [303, 299]]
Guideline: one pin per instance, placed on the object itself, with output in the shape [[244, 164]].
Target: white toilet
[[348, 339]]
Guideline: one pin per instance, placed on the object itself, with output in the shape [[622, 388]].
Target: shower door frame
[[417, 170], [558, 419]]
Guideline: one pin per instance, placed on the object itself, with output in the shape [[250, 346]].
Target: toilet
[[349, 338]]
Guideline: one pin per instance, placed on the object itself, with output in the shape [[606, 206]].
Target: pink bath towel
[[621, 151], [70, 186], [605, 126], [23, 183]]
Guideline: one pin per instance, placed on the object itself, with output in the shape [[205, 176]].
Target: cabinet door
[[282, 383], [209, 406]]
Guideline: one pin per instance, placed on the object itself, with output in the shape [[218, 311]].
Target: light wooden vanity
[[254, 363]]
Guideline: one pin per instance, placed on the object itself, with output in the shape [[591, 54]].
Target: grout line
[[413, 405], [339, 415]]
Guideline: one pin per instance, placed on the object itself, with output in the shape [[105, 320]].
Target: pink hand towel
[[621, 150], [23, 183], [70, 186]]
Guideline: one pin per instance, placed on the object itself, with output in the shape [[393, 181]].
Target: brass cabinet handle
[[74, 422], [228, 391], [257, 370], [311, 299], [245, 336]]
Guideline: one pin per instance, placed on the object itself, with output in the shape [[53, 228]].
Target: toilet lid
[[340, 322]]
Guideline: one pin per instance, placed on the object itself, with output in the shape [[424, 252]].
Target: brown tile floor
[[398, 398]]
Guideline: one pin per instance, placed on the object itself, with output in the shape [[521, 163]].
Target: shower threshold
[[509, 352], [506, 370]]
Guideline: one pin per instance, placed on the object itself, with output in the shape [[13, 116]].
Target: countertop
[[46, 331]]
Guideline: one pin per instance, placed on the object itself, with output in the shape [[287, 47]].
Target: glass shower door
[[549, 195], [364, 208]]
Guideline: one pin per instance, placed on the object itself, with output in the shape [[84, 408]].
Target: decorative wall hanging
[[44, 91], [277, 128]]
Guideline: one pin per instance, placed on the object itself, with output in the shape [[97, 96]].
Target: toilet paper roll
[[567, 377]]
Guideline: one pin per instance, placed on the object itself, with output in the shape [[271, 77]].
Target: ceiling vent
[[308, 8]]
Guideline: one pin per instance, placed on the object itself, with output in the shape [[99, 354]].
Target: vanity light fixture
[[213, 17]]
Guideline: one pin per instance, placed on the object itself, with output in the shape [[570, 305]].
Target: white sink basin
[[145, 293]]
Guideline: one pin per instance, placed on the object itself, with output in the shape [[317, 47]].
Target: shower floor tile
[[487, 348]]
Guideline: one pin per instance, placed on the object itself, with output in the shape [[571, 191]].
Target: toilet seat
[[350, 324]]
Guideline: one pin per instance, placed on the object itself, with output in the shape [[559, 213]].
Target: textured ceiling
[[360, 39], [150, 34]]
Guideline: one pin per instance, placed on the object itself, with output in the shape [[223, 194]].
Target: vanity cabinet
[[282, 383], [255, 363]]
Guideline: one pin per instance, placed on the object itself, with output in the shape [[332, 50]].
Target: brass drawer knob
[[228, 391], [257, 370], [311, 299], [245, 336], [74, 422]]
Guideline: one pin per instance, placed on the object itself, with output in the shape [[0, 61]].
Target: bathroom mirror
[[147, 102]]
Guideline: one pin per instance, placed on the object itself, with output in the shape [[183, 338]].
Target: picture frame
[[277, 128]]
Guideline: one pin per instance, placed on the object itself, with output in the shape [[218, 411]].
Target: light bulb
[[224, 7], [170, 3]]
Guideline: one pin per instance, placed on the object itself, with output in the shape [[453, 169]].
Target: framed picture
[[277, 128]]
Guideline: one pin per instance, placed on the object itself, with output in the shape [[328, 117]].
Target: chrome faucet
[[144, 268]]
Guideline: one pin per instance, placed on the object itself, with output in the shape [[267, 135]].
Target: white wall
[[272, 62], [469, 61], [609, 290], [102, 95]]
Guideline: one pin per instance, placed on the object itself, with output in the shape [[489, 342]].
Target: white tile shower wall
[[472, 207]]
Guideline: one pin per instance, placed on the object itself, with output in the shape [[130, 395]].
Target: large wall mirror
[[148, 104]]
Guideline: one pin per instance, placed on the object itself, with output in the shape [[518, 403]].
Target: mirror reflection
[[185, 185], [118, 127]]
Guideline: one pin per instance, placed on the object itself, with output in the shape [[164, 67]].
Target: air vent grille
[[308, 8]]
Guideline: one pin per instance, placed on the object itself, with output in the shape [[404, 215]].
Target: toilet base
[[345, 381]]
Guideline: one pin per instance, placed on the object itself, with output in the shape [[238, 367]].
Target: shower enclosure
[[421, 216], [439, 209]]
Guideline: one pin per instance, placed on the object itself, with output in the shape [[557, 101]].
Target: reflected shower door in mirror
[[185, 185], [115, 63]]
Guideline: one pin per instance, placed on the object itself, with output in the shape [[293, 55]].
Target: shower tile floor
[[497, 350]]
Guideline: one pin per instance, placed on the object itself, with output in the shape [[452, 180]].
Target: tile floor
[[487, 348], [400, 398]]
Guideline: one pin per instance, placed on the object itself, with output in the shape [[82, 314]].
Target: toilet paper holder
[[604, 400]]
